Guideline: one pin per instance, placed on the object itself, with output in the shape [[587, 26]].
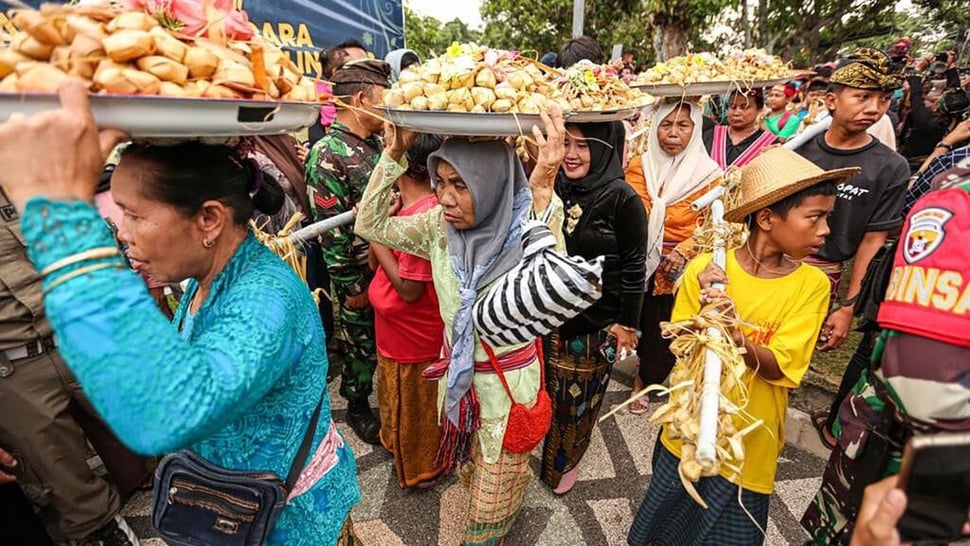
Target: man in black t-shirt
[[868, 206]]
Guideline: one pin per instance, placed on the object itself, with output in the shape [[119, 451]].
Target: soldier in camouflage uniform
[[338, 169], [869, 448], [917, 382]]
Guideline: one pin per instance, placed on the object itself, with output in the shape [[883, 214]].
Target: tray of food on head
[[151, 74], [704, 74], [596, 93], [490, 123], [473, 90], [718, 87], [464, 123], [143, 116]]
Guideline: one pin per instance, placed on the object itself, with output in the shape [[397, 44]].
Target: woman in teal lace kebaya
[[238, 376]]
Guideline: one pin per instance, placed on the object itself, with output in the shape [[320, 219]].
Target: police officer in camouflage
[[338, 169]]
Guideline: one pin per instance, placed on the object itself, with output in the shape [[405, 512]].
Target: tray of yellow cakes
[[151, 75], [699, 74], [474, 90]]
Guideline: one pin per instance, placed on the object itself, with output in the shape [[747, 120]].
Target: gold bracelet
[[90, 254], [77, 273]]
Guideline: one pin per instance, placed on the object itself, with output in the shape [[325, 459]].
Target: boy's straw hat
[[776, 174]]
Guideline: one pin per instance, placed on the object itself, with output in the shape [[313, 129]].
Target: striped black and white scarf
[[540, 293]]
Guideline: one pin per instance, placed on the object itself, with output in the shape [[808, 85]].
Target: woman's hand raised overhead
[[551, 151], [397, 140]]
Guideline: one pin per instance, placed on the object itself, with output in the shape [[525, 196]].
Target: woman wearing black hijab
[[604, 216]]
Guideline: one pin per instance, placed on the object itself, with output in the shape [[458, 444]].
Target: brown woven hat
[[776, 174]]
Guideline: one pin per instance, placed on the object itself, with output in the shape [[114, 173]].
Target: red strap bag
[[526, 426]]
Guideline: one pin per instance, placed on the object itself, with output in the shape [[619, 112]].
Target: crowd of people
[[157, 325]]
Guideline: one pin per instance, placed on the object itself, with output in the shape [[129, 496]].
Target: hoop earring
[[207, 243]]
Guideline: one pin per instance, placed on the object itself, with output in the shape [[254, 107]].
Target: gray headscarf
[[482, 253], [395, 59]]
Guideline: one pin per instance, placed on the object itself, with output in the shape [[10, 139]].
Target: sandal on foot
[[639, 406], [819, 418]]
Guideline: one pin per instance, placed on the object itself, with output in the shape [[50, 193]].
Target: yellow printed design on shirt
[[766, 330]]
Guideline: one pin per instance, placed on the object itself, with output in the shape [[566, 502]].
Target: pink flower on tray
[[190, 16]]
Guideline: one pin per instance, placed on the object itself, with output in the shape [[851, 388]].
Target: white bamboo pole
[[708, 198], [711, 389], [808, 134], [315, 230]]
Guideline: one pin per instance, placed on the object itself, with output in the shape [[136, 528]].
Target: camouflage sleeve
[[329, 193]]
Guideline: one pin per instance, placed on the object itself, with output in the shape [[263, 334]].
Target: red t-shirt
[[408, 333]]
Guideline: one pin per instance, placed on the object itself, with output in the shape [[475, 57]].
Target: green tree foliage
[[543, 25], [806, 31], [813, 31], [828, 28], [952, 18], [652, 28], [427, 35], [539, 25]]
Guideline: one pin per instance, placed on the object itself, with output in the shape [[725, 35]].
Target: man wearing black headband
[[869, 205], [338, 169]]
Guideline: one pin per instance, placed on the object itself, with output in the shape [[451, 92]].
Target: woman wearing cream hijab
[[674, 172]]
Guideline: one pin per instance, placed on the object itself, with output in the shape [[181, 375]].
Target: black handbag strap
[[300, 460]]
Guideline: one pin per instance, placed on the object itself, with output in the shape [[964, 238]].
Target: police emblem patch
[[926, 233]]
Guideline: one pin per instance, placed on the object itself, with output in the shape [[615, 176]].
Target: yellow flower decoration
[[454, 50]]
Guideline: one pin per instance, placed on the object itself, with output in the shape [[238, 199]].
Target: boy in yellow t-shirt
[[786, 202]]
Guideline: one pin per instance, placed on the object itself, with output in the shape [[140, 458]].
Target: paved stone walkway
[[598, 511]]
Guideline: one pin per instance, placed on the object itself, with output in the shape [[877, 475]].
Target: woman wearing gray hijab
[[399, 59], [471, 239]]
